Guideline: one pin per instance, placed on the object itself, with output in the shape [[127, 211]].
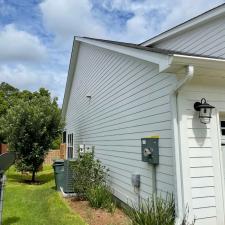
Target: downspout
[[180, 208], [189, 75]]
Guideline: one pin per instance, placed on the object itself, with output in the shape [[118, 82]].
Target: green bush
[[101, 197], [88, 173], [154, 211]]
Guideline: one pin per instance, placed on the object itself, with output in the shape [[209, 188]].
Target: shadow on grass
[[11, 220], [53, 188], [41, 178]]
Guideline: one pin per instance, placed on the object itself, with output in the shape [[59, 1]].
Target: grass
[[36, 204]]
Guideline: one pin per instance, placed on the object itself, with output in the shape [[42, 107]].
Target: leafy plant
[[88, 173], [101, 197], [154, 211]]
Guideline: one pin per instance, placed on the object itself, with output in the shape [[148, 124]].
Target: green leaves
[[100, 196], [88, 173], [30, 126], [154, 211]]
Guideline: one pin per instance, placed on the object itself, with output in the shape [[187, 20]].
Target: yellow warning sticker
[[157, 136]]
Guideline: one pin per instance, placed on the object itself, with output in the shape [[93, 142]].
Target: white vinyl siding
[[129, 100], [207, 39], [201, 157]]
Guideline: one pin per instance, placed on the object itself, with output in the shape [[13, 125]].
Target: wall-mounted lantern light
[[205, 111]]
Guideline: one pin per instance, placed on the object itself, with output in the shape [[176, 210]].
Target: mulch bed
[[97, 216]]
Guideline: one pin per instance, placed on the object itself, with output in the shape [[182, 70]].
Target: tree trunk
[[33, 176]]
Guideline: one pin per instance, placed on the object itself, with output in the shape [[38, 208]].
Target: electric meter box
[[150, 150]]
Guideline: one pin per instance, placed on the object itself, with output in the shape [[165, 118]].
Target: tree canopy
[[30, 125]]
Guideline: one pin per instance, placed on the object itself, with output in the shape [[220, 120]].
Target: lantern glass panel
[[205, 115]]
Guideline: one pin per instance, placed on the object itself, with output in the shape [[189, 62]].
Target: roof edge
[[160, 58], [72, 67]]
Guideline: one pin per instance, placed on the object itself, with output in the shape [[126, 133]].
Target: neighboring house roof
[[190, 24]]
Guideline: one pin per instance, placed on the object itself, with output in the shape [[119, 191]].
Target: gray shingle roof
[[153, 49]]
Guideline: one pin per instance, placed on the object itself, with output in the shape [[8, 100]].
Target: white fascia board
[[197, 21], [163, 60], [218, 64], [71, 71]]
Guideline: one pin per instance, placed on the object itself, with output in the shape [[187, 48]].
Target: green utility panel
[[150, 150]]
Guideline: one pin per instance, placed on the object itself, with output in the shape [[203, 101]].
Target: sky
[[36, 35]]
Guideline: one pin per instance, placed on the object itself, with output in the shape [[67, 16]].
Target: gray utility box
[[68, 176], [150, 150]]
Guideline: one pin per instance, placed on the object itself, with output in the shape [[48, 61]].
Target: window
[[64, 137], [70, 146]]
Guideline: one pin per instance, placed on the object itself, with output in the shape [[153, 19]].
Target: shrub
[[88, 173], [101, 197], [154, 211]]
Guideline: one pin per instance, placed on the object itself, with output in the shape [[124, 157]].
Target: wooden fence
[[55, 154], [3, 148], [52, 155]]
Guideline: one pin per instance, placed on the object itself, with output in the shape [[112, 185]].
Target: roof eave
[[163, 60]]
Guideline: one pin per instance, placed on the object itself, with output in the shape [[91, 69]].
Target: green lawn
[[26, 204]]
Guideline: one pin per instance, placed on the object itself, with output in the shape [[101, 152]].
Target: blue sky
[[36, 36]]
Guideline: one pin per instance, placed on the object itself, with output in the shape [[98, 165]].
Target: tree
[[30, 126], [7, 95]]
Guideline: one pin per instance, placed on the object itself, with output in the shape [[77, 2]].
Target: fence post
[[2, 184]]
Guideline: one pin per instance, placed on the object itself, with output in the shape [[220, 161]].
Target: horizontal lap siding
[[207, 39], [129, 100], [200, 159]]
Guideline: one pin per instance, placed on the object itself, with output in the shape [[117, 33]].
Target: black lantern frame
[[205, 111]]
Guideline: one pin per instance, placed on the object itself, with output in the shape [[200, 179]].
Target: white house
[[118, 93]]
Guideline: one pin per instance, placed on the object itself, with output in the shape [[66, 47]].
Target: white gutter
[[177, 144]]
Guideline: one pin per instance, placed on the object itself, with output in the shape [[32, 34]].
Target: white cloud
[[25, 77], [18, 45], [185, 10], [67, 18]]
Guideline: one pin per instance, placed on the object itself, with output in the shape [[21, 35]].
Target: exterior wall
[[201, 155], [129, 100], [207, 39]]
